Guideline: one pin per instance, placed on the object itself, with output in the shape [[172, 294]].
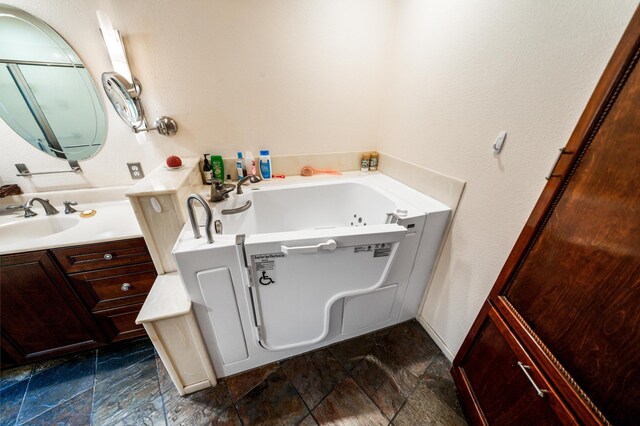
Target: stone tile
[[308, 421], [229, 417], [128, 394], [423, 407], [147, 414], [14, 375], [122, 355], [76, 411], [49, 363], [314, 375], [163, 376], [438, 379], [198, 408], [272, 402], [351, 351], [412, 346], [384, 380], [347, 405], [57, 384], [242, 383], [10, 402]]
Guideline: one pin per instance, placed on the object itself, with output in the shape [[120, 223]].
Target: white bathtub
[[313, 261]]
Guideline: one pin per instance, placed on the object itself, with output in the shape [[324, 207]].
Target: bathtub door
[[297, 276]]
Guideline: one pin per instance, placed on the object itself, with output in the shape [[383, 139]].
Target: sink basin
[[35, 227]]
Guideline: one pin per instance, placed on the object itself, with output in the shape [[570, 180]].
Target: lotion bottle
[[265, 164], [250, 163]]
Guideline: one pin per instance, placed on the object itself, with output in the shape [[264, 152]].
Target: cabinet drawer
[[102, 255], [120, 323], [114, 287], [501, 384]]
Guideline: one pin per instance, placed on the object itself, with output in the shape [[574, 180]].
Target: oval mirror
[[46, 94]]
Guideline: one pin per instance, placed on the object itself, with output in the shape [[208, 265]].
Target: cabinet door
[[40, 315], [500, 383], [578, 284]]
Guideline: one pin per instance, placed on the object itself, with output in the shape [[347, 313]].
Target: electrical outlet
[[136, 170]]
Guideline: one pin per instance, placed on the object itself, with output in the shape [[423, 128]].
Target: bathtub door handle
[[330, 245]]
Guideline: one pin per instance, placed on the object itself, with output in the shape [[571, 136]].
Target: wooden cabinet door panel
[[40, 315], [578, 287], [500, 391]]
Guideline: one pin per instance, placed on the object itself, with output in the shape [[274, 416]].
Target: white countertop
[[114, 220]]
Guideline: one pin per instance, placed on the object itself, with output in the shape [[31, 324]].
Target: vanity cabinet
[[112, 280], [567, 299], [74, 298], [41, 316]]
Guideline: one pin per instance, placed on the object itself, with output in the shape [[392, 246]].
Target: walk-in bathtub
[[313, 261]]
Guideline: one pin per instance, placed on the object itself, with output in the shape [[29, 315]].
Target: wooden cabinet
[[497, 364], [569, 293], [41, 315], [74, 298]]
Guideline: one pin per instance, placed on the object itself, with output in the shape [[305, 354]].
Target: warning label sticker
[[378, 250], [363, 249], [265, 267], [382, 250]]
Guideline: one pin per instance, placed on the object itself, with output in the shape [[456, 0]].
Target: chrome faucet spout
[[194, 221], [250, 178], [220, 190], [48, 208]]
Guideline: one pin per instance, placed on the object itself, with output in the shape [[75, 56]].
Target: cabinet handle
[[525, 369], [127, 286], [108, 256]]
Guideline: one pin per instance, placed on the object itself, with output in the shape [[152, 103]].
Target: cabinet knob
[[125, 287], [108, 256]]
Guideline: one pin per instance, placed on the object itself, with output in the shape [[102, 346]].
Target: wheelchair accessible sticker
[[266, 267]]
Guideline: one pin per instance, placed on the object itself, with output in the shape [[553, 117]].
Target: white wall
[[462, 71], [293, 76]]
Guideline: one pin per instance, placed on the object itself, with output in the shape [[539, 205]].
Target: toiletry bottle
[[265, 164], [206, 171], [250, 163], [240, 166], [364, 162], [217, 167], [373, 162]]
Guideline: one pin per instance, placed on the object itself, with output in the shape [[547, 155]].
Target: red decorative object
[[174, 161]]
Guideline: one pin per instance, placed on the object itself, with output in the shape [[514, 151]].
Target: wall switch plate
[[136, 170]]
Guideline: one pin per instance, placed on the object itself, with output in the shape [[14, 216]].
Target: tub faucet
[[219, 190], [194, 221], [250, 178], [48, 208]]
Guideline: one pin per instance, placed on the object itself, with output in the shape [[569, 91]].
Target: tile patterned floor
[[396, 376]]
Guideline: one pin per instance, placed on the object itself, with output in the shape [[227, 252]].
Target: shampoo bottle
[[265, 164], [240, 166], [250, 163], [217, 167]]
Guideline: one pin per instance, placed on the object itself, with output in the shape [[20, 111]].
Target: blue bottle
[[265, 164], [240, 166]]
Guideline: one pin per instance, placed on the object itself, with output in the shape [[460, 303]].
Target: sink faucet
[[192, 217], [250, 178], [48, 208], [219, 190]]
